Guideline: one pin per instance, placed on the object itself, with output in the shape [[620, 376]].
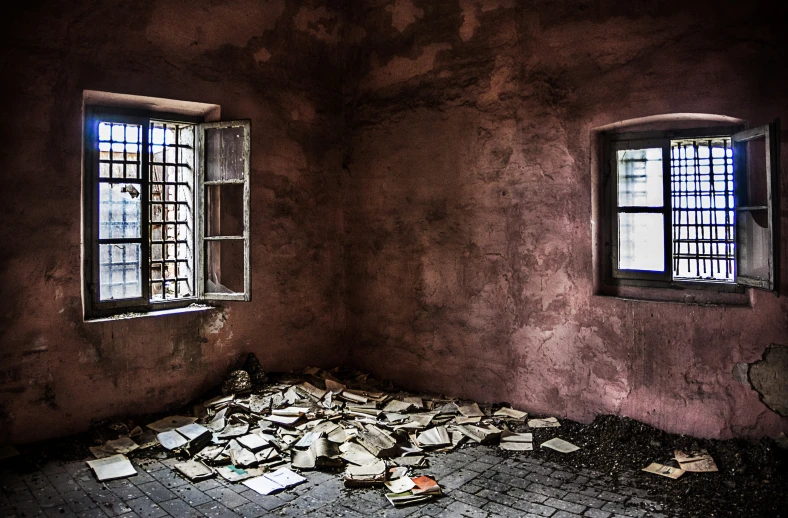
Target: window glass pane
[[224, 266], [640, 177], [224, 154], [171, 158], [119, 150], [120, 209], [119, 271], [641, 244]]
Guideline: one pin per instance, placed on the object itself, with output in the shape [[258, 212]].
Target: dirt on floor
[[751, 481]]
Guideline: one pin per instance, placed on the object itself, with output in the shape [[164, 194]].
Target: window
[[693, 208], [166, 205]]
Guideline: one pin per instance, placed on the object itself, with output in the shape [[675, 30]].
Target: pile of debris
[[257, 432]]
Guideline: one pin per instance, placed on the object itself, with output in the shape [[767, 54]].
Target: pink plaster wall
[[421, 201], [469, 203], [267, 60]]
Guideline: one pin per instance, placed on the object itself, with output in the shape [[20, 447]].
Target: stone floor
[[477, 482]]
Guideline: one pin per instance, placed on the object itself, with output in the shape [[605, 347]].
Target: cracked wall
[[276, 62], [469, 204]]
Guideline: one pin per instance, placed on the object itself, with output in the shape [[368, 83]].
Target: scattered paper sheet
[[516, 441], [171, 423], [285, 477], [511, 413], [400, 499], [433, 438], [481, 434], [193, 431], [377, 441], [171, 440], [110, 468], [263, 485], [697, 462], [426, 485], [665, 471], [467, 420], [368, 475], [417, 402], [560, 445], [122, 445], [547, 422], [240, 456], [235, 474], [394, 406], [471, 410], [400, 485], [283, 420], [252, 442], [334, 387], [194, 471], [410, 460]]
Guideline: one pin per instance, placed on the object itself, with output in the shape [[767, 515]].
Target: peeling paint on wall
[[401, 69], [403, 14], [769, 376]]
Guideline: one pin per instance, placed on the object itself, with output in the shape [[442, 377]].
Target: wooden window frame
[[93, 307], [613, 141]]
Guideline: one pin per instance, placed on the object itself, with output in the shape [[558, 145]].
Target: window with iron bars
[[166, 211], [693, 208]]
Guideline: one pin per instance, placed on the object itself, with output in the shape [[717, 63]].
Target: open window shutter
[[224, 202], [756, 178]]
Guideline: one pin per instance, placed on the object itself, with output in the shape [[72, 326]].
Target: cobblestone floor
[[477, 482]]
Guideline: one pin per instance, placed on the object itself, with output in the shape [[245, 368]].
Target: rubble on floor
[[257, 432], [750, 479]]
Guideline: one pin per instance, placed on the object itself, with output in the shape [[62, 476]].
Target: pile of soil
[[752, 480]]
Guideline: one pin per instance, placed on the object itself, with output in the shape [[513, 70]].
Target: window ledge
[[192, 308], [676, 296]]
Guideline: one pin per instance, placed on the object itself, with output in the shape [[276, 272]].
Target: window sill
[[192, 308], [693, 297]]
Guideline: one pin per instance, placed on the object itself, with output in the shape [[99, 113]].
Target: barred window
[[151, 217], [693, 208]]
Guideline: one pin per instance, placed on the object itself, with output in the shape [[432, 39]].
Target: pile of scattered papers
[[317, 421], [696, 461]]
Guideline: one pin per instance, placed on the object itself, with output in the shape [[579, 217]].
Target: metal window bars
[[171, 162], [702, 209]]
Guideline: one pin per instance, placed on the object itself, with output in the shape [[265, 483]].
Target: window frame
[[93, 307], [648, 279], [201, 183]]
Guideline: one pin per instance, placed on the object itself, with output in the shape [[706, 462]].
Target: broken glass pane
[[120, 209], [224, 266]]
